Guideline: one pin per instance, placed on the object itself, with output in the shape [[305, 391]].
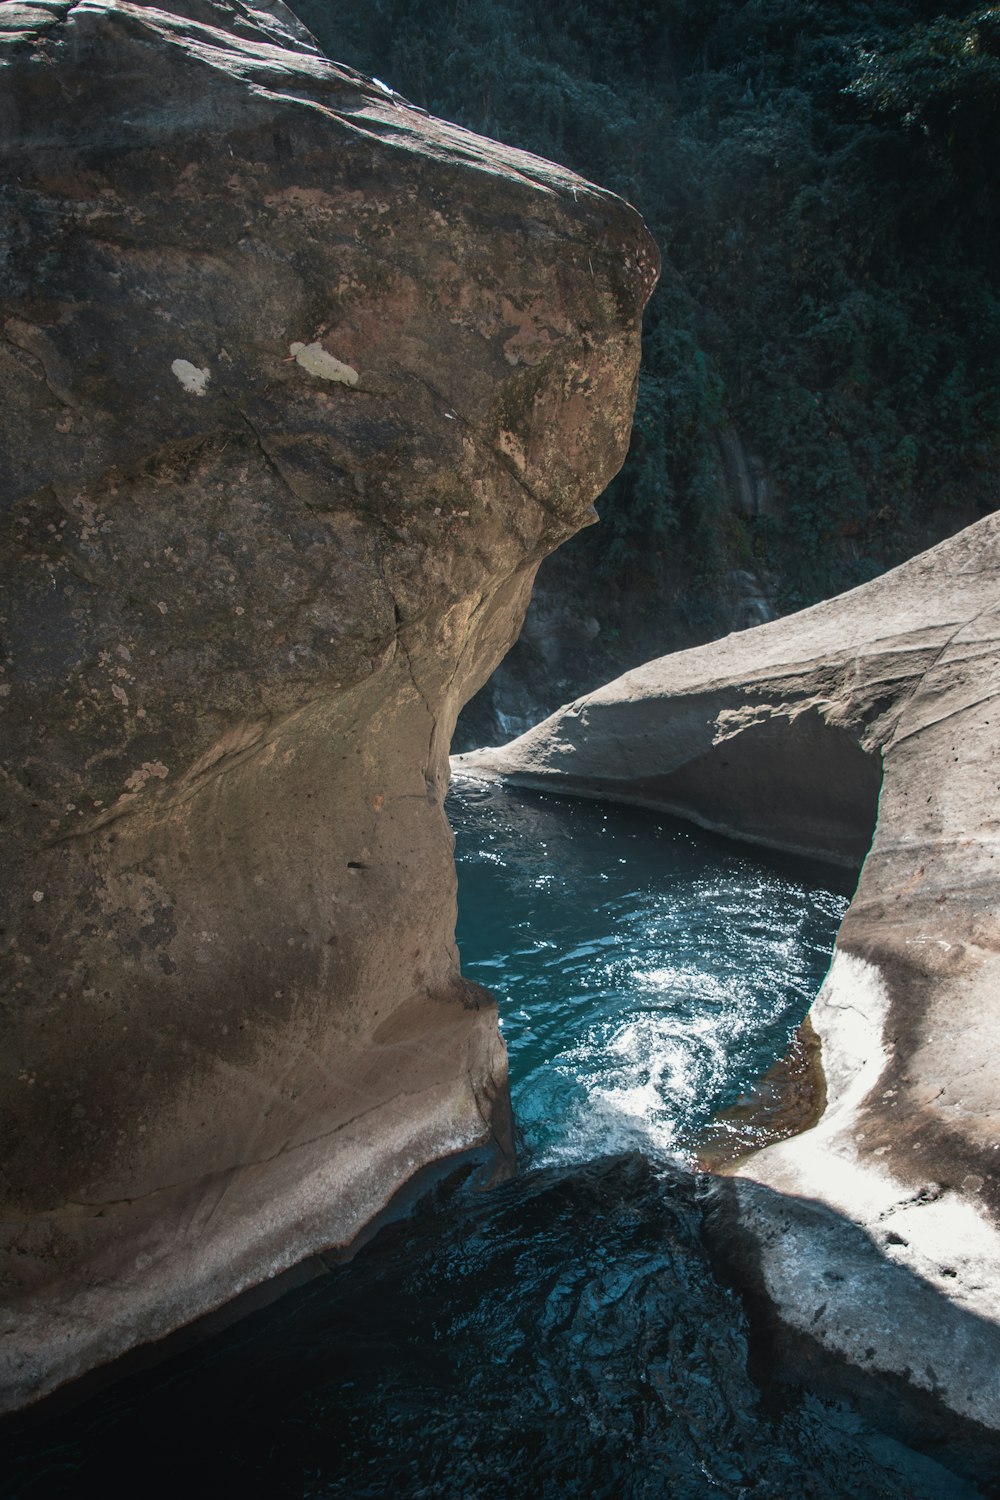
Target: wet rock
[[744, 476], [748, 600], [297, 386], [877, 711]]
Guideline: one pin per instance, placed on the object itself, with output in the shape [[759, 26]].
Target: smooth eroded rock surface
[[877, 1231], [297, 386]]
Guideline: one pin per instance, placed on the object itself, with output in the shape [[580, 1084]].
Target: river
[[562, 1335]]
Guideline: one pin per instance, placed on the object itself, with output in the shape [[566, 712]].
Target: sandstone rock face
[[876, 1231], [297, 386]]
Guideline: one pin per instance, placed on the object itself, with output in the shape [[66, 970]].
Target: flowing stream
[[562, 1335], [647, 974]]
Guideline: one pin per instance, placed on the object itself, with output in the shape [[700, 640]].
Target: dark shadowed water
[[562, 1335]]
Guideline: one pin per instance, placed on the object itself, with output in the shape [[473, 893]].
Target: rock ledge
[[878, 1231]]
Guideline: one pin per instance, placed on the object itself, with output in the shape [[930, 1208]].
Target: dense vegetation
[[821, 176]]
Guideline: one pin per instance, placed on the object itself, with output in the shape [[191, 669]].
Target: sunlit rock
[[297, 386], [876, 1232]]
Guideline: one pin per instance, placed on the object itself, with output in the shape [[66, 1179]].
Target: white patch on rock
[[850, 1013], [879, 1279], [138, 779], [315, 361], [194, 381]]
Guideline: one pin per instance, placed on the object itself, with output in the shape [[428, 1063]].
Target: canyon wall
[[876, 1234], [297, 387]]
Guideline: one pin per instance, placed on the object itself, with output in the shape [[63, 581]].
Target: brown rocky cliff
[[297, 387]]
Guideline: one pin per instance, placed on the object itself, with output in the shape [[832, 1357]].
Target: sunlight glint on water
[[646, 975], [564, 1336]]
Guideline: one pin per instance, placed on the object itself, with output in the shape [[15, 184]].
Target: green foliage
[[942, 78], [821, 177]]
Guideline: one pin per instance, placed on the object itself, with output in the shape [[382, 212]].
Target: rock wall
[[297, 387], [877, 1233]]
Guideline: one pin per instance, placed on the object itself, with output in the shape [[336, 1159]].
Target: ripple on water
[[663, 971], [562, 1336]]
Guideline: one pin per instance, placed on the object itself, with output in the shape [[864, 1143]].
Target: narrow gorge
[[299, 385], [876, 1234]]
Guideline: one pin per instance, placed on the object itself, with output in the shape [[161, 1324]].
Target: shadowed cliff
[[297, 387]]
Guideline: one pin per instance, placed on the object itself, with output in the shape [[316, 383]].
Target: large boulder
[[297, 387], [875, 1234]]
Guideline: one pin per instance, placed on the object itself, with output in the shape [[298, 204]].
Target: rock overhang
[[893, 1199], [299, 385]]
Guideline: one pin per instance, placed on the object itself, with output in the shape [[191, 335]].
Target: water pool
[[564, 1334], [647, 974]]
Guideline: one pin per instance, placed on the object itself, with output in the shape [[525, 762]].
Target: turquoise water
[[563, 1335], [646, 974]]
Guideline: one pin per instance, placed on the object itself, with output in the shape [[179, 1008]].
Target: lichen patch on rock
[[315, 360], [193, 380]]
